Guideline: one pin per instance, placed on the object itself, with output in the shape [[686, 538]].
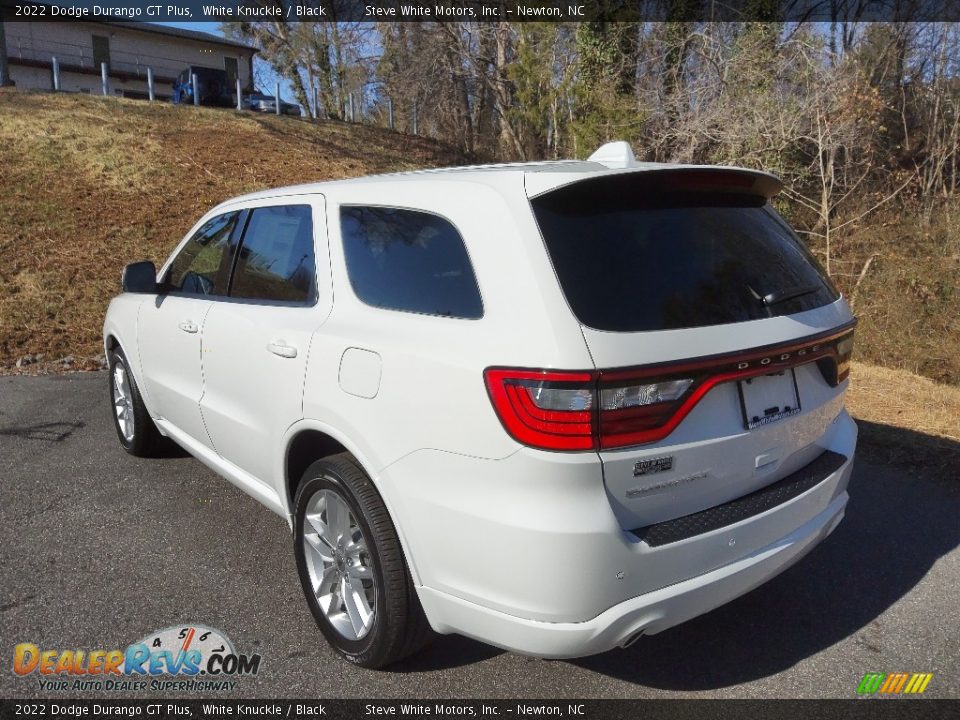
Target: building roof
[[181, 33]]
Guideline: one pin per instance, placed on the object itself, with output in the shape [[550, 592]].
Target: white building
[[128, 49]]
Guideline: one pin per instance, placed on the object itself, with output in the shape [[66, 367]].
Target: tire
[[135, 429], [365, 605]]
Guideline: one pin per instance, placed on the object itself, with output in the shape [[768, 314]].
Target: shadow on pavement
[[444, 653], [49, 432]]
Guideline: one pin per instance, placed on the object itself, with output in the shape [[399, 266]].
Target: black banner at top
[[829, 11]]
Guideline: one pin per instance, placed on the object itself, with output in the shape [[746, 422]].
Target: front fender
[[121, 323]]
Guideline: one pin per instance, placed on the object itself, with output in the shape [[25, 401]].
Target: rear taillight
[[844, 353], [545, 409], [635, 412], [602, 409]]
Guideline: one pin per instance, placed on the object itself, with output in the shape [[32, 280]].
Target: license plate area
[[769, 398]]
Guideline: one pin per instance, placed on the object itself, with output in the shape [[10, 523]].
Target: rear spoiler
[[662, 177]]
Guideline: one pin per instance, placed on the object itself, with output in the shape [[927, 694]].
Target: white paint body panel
[[360, 372], [170, 336], [526, 549]]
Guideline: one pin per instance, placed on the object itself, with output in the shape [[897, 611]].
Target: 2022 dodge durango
[[550, 406]]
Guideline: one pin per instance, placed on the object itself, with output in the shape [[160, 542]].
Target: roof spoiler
[[619, 160]]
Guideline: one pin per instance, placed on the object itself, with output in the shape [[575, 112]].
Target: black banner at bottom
[[858, 709]]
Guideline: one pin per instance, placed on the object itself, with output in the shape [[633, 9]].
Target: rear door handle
[[284, 351], [188, 326]]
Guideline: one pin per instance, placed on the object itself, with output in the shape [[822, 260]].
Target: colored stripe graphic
[[871, 683], [894, 683]]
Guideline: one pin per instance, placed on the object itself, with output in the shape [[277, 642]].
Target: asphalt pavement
[[98, 549]]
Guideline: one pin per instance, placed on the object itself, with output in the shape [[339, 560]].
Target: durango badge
[[653, 465]]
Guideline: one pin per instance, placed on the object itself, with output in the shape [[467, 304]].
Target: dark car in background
[[268, 103], [213, 87]]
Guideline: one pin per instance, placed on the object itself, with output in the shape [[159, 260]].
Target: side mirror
[[140, 277]]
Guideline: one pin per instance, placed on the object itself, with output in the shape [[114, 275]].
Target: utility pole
[[4, 67]]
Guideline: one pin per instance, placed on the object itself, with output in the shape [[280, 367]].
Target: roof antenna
[[614, 155]]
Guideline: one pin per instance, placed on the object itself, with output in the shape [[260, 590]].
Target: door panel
[[254, 360], [171, 324], [170, 332], [256, 342]]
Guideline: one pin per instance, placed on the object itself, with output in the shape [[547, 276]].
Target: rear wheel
[[351, 566], [135, 429]]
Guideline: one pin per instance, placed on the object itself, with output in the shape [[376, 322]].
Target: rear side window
[[196, 268], [410, 261], [276, 257], [631, 256]]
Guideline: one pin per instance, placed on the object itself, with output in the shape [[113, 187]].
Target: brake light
[[603, 409], [545, 409]]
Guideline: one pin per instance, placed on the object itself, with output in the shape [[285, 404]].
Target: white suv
[[551, 406]]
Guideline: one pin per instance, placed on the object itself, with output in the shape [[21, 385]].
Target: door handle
[[284, 351], [188, 326]]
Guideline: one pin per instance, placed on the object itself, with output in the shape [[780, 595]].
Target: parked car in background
[[550, 406], [268, 103], [213, 87]]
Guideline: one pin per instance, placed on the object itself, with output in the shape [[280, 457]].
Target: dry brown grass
[[907, 420], [88, 184], [908, 303]]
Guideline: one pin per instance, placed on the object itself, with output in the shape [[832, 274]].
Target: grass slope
[[89, 184]]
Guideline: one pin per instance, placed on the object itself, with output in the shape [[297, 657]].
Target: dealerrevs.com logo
[[189, 657]]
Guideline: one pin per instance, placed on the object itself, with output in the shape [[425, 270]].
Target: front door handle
[[284, 351], [188, 326]]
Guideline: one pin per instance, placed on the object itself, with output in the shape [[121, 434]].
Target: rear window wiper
[[779, 296]]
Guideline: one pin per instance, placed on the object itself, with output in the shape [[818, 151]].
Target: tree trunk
[[325, 78], [501, 94], [299, 91]]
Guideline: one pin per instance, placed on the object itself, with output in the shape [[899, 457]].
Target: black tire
[[400, 627], [146, 440]]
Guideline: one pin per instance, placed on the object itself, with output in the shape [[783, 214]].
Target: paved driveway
[[98, 548]]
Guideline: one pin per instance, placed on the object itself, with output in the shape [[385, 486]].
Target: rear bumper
[[527, 553], [644, 615]]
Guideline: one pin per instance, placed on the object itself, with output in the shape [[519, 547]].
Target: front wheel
[[135, 429], [351, 566]]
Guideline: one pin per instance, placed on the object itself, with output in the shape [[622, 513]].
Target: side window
[[196, 267], [276, 260], [408, 260]]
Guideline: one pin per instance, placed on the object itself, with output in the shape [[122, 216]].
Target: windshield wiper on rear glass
[[779, 296]]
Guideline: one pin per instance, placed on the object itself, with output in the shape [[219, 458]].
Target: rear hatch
[[719, 344]]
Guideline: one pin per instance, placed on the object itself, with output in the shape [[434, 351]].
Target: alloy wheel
[[339, 564], [123, 401]]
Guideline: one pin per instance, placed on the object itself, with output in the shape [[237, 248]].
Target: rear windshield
[[631, 256]]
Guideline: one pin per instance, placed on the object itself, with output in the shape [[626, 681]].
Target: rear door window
[[276, 259], [631, 256], [196, 268], [409, 261]]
